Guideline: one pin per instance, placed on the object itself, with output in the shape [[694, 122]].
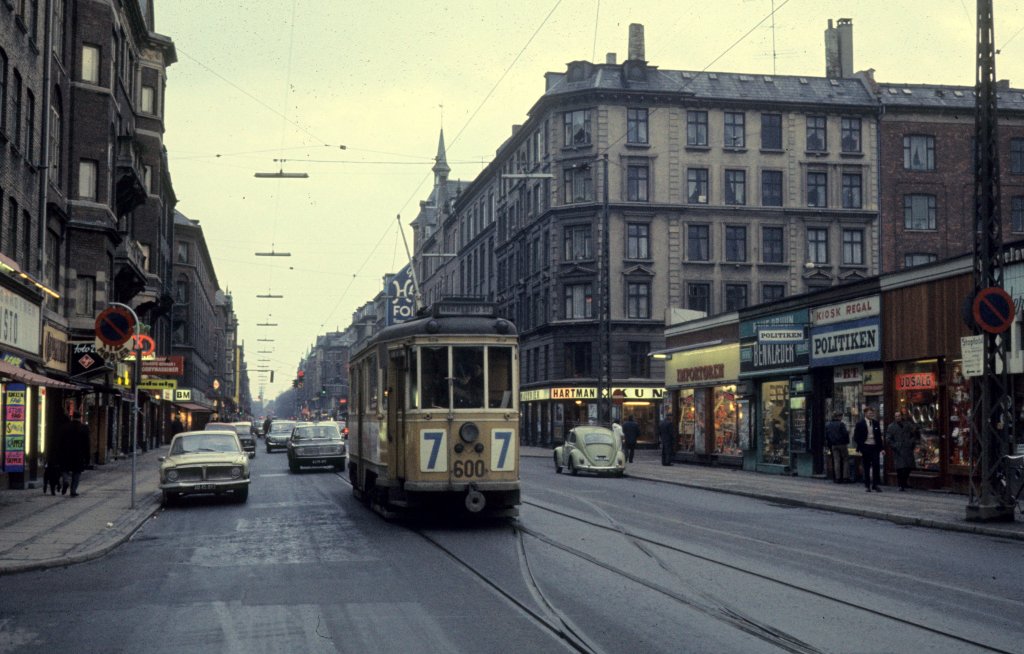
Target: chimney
[[839, 49], [636, 42], [610, 59]]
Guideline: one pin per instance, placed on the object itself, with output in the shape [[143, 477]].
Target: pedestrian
[[630, 433], [667, 436], [74, 447], [903, 437], [837, 436], [266, 426], [617, 430], [867, 434], [177, 426], [52, 472]]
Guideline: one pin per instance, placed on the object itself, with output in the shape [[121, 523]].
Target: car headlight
[[172, 475], [236, 472]]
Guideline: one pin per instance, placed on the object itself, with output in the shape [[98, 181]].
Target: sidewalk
[[42, 531], [938, 510]]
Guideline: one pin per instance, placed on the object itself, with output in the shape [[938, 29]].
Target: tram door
[[394, 398]]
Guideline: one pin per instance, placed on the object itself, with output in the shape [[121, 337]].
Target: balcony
[[130, 266], [130, 189]]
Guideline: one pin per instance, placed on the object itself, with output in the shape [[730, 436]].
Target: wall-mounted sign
[[401, 302], [183, 395], [172, 366], [847, 374], [535, 395], [19, 322], [55, 348], [85, 360], [916, 381], [158, 384], [847, 342], [14, 428], [864, 307], [582, 393], [780, 334], [638, 393]]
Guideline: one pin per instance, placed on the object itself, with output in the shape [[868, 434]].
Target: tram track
[[713, 607]]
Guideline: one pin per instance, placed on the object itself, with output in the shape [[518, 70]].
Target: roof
[[944, 96]]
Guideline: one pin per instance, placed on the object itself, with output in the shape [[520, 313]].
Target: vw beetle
[[589, 448]]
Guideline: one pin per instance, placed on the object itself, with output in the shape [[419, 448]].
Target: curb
[[144, 513]]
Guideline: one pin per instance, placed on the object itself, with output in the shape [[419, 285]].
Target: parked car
[[277, 437], [245, 438], [208, 461], [256, 428], [589, 448], [320, 444]]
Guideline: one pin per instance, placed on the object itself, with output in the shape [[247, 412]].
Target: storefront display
[[916, 387], [726, 422], [775, 422], [958, 390], [686, 421]]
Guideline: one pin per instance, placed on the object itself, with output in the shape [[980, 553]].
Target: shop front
[[703, 383], [547, 414], [193, 407], [774, 358]]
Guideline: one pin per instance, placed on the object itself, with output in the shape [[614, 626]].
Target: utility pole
[[604, 393], [992, 412]]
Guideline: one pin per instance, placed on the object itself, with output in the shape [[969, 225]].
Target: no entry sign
[[993, 310], [114, 326]]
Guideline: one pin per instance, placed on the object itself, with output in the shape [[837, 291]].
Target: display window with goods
[[916, 386]]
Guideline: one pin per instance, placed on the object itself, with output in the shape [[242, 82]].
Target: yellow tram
[[434, 413]]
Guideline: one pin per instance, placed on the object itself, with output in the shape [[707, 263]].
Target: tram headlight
[[478, 448], [469, 432]]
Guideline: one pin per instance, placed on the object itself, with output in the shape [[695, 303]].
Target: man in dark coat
[[868, 437], [837, 436], [74, 446], [630, 434], [177, 426], [667, 436], [903, 438]]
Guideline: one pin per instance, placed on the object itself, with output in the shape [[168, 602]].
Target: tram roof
[[472, 325]]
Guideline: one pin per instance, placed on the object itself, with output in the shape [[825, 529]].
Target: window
[[919, 152], [817, 134], [735, 297], [578, 184], [1017, 156], [636, 126], [849, 135], [697, 185], [698, 297], [16, 106], [58, 29], [771, 131], [773, 292], [85, 296], [852, 195], [772, 245], [917, 259], [771, 188], [90, 64], [30, 127], [3, 89], [639, 362], [817, 189], [697, 128], [698, 242], [853, 247], [577, 360], [638, 300], [577, 242], [638, 241], [637, 179], [182, 252], [56, 149], [147, 178], [735, 243], [26, 240], [577, 128], [735, 136], [51, 275], [736, 187], [579, 301], [919, 211], [147, 99], [817, 245], [1017, 213], [87, 179], [8, 245]]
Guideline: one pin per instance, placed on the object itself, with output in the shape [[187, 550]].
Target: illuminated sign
[[589, 393], [535, 395], [916, 381]]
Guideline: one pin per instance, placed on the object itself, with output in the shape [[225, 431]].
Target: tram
[[434, 413]]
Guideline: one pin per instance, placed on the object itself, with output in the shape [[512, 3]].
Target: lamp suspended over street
[[269, 296], [273, 254]]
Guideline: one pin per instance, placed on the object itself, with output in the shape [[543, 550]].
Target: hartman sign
[[173, 366]]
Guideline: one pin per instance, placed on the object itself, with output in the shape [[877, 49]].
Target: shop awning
[[14, 373], [192, 406]]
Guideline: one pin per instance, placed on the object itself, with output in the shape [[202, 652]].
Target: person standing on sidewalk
[[837, 436], [868, 437], [52, 475], [74, 445], [631, 434], [667, 436], [902, 437]]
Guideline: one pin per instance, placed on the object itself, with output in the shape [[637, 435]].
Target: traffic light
[[295, 383], [323, 391]]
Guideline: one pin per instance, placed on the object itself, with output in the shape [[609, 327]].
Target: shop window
[[775, 422], [959, 391], [687, 421], [724, 417], [917, 393]]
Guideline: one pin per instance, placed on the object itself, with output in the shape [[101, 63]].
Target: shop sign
[[83, 358], [972, 351], [865, 307], [638, 393], [847, 374], [798, 318], [780, 334], [916, 381], [158, 384], [20, 323], [172, 366], [757, 357], [14, 427], [874, 382], [845, 343], [581, 393], [704, 367], [55, 348], [401, 301], [183, 395], [535, 395]]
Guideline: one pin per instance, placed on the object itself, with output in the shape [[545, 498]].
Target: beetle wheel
[[572, 467], [558, 467]]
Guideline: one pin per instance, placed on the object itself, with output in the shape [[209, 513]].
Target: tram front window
[[468, 377], [499, 377], [434, 370]]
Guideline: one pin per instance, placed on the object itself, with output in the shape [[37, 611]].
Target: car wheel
[[293, 465], [558, 466], [168, 498], [242, 494], [572, 467], [252, 455], [268, 448]]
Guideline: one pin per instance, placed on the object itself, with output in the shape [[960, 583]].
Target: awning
[[192, 406], [15, 373]]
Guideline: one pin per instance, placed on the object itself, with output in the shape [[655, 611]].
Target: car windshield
[[281, 427], [311, 432], [598, 438], [242, 429], [203, 443], [219, 426]]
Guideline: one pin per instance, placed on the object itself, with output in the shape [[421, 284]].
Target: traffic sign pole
[[137, 349]]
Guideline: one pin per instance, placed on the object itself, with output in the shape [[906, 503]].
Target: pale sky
[[263, 80]]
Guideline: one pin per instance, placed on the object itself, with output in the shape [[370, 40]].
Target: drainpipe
[[44, 143]]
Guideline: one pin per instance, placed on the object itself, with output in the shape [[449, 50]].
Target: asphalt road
[[592, 565]]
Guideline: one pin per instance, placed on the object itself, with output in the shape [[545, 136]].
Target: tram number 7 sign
[[433, 450], [503, 450]]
